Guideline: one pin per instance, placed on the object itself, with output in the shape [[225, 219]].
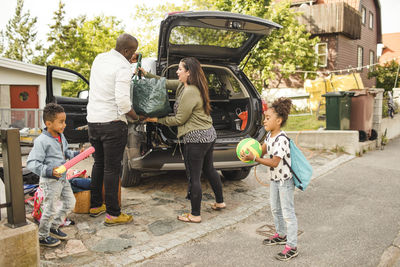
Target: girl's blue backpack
[[300, 168]]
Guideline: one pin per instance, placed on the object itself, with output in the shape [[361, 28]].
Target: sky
[[44, 10], [123, 10]]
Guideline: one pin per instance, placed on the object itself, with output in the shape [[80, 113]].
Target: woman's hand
[[151, 120], [247, 157], [144, 73]]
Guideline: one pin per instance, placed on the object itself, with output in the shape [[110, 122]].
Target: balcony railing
[[331, 18]]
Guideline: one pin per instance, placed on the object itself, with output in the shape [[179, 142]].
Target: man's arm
[[122, 93]]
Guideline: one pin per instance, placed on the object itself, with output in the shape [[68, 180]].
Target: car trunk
[[228, 99]]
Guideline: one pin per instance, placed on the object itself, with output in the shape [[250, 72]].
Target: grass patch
[[306, 122]]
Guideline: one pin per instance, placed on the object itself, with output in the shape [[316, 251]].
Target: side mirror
[[83, 94]]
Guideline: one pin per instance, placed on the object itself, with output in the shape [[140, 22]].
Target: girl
[[192, 116], [276, 147]]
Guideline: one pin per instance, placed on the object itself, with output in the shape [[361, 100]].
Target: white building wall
[[15, 77]]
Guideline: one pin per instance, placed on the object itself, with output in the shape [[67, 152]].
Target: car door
[[213, 37], [69, 89]]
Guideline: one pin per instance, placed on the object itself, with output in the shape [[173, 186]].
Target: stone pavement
[[155, 205]]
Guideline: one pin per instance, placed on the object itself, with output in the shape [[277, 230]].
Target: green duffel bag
[[150, 97]]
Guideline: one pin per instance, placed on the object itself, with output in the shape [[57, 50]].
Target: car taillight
[[264, 105]]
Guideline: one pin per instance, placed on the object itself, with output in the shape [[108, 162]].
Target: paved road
[[349, 217]]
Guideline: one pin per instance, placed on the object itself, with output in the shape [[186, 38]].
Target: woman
[[192, 116]]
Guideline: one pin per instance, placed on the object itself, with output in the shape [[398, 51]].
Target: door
[[210, 36], [24, 97], [65, 87]]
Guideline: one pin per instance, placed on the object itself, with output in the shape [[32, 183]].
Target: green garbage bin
[[338, 109]]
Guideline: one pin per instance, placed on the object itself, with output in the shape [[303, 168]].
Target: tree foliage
[[20, 35], [151, 17], [386, 75], [75, 44]]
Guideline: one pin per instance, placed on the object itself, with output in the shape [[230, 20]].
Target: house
[[23, 92], [349, 30], [391, 47]]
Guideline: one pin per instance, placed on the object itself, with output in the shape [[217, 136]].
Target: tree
[[151, 18], [1, 42], [20, 35], [76, 44], [385, 75]]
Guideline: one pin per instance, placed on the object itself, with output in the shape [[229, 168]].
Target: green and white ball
[[249, 144]]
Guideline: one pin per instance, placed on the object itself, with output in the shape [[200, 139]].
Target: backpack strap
[[285, 162]]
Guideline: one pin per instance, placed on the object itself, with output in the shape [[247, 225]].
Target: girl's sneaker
[[275, 240], [287, 254]]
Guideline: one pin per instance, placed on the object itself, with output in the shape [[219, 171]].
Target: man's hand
[[134, 58], [55, 173]]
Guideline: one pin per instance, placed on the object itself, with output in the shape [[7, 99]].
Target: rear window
[[182, 35]]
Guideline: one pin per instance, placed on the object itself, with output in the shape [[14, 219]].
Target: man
[[109, 102]]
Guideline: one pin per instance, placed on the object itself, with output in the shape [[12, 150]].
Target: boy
[[49, 151]]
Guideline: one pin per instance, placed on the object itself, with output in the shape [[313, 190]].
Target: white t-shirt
[[279, 146]]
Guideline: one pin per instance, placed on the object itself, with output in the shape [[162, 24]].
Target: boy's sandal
[[187, 217], [215, 206]]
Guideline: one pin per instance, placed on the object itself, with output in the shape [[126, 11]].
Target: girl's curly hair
[[282, 107]]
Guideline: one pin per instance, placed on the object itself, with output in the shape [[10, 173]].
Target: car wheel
[[236, 175], [129, 177]]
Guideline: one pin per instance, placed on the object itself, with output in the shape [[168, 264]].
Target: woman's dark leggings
[[199, 157]]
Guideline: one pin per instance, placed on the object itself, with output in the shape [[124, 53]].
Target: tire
[[236, 175], [129, 177]]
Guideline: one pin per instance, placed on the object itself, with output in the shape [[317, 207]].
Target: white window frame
[[363, 15], [324, 54], [360, 61], [371, 58], [371, 20]]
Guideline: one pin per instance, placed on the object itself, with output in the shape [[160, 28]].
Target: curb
[[259, 202], [391, 255]]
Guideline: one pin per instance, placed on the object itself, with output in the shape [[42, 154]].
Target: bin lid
[[338, 94]]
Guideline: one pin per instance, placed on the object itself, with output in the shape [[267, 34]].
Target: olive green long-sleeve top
[[190, 114]]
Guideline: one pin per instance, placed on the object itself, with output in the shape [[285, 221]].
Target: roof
[[391, 47], [34, 69]]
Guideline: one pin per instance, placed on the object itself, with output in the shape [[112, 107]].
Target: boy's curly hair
[[51, 110], [282, 107]]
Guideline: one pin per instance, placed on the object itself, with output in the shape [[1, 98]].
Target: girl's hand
[[247, 157], [151, 120]]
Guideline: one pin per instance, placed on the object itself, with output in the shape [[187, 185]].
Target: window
[[371, 20], [371, 58], [321, 50], [363, 15], [360, 53]]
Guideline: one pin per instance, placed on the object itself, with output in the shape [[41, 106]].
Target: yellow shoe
[[121, 219], [94, 212]]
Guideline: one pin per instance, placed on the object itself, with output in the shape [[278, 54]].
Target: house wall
[[347, 48], [14, 77]]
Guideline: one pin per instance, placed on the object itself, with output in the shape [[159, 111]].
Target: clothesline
[[328, 72]]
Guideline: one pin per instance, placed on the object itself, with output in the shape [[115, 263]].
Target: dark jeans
[[199, 157], [109, 140]]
